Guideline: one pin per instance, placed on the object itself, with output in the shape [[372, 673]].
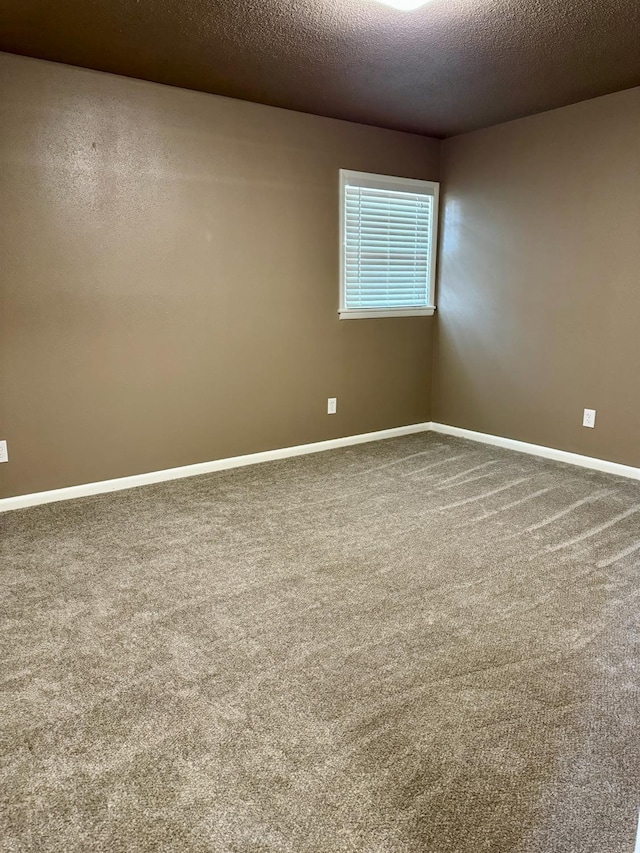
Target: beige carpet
[[416, 645]]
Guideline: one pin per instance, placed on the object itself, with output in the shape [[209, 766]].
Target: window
[[387, 245]]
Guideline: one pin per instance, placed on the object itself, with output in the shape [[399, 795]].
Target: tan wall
[[539, 298], [169, 279]]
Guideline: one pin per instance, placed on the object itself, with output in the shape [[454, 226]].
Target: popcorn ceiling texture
[[449, 67], [421, 645]]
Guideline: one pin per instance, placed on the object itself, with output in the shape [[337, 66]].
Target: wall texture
[[539, 296], [169, 279]]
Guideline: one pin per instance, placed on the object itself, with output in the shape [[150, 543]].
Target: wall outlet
[[332, 405], [589, 419], [4, 452]]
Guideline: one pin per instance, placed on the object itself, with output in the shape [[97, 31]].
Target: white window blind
[[388, 244]]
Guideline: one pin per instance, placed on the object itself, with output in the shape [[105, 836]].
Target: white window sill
[[372, 313]]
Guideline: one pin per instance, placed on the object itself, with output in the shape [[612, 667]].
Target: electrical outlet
[[332, 405], [4, 452], [589, 419]]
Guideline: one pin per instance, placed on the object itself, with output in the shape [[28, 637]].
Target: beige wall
[[539, 298], [169, 279]]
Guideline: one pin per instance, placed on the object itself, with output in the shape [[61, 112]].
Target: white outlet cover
[[332, 405], [589, 418], [4, 452]]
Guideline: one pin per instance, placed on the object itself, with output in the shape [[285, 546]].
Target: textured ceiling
[[449, 67]]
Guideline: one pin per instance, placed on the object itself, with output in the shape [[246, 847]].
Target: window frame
[[389, 182]]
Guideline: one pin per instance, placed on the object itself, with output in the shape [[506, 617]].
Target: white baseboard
[[86, 489], [541, 450]]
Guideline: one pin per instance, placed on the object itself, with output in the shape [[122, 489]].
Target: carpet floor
[[419, 645]]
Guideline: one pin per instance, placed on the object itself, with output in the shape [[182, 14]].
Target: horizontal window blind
[[387, 248]]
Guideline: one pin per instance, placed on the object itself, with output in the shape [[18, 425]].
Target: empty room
[[320, 426]]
